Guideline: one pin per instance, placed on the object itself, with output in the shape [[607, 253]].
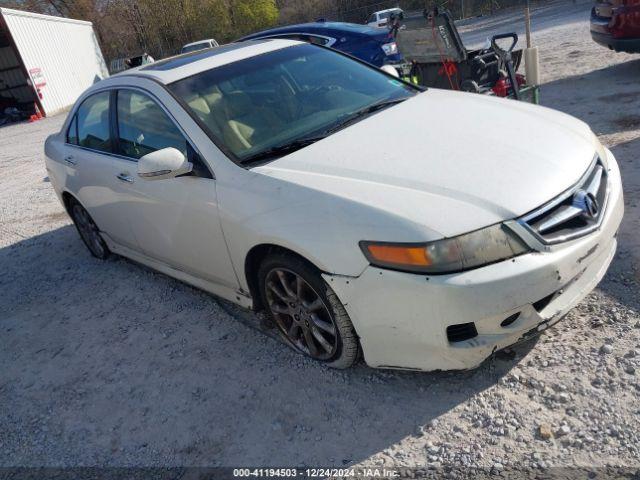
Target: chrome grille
[[574, 213]]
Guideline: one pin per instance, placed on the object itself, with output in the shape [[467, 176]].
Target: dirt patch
[[628, 122], [621, 97], [56, 216]]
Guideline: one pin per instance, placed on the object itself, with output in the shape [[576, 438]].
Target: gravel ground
[[109, 363]]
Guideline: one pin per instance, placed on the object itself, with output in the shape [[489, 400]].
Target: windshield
[[278, 100]]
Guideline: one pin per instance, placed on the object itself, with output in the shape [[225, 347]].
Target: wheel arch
[[252, 262], [67, 197]]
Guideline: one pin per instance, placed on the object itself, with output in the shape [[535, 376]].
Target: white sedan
[[255, 171]]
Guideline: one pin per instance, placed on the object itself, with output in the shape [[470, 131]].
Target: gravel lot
[[108, 363]]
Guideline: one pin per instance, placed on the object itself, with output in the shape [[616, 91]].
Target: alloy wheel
[[301, 314], [88, 231]]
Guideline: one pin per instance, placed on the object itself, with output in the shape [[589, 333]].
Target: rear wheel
[[88, 230], [306, 311]]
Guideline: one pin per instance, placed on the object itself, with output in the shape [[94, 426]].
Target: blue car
[[372, 45]]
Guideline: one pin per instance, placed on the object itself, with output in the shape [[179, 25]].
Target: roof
[[39, 16], [312, 27], [176, 68]]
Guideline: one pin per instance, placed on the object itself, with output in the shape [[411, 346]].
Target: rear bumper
[[616, 28], [629, 45], [402, 318]]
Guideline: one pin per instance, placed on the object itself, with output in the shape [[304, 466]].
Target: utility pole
[[527, 23], [531, 60], [462, 9]]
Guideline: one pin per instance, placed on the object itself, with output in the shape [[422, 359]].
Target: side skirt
[[222, 291]]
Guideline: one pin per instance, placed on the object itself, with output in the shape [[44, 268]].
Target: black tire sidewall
[[313, 278], [73, 204]]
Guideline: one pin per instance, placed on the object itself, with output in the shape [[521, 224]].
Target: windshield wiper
[[284, 149], [344, 121], [353, 117]]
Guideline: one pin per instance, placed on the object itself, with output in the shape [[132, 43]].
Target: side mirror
[[166, 163]]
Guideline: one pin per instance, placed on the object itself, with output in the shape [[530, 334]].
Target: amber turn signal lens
[[400, 255]]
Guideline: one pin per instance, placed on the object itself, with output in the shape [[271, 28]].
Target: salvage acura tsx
[[255, 171]]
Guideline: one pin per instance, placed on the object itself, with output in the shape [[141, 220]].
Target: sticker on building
[[37, 77]]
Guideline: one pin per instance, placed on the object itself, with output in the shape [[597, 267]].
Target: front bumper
[[402, 318]]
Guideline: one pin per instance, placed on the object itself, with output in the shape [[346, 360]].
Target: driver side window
[[143, 127]]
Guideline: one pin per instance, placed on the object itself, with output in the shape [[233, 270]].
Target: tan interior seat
[[247, 125], [208, 108]]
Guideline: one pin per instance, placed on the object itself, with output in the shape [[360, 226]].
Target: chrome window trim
[[523, 221], [101, 152], [156, 100]]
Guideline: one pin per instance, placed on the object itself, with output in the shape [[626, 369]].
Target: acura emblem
[[586, 202]]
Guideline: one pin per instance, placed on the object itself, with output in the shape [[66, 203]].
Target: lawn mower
[[437, 58]]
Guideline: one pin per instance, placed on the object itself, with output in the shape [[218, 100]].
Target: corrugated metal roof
[[48, 18]]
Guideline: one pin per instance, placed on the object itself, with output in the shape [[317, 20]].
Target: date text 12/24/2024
[[315, 472]]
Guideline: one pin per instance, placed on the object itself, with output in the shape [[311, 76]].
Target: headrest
[[199, 104], [212, 95]]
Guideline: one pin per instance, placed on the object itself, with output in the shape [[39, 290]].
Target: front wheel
[[308, 314]]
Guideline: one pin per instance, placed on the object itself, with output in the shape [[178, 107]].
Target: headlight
[[449, 255], [390, 48]]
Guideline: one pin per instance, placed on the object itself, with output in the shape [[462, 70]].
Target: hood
[[451, 161]]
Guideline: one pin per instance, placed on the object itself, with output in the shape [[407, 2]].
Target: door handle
[[70, 160], [124, 177]]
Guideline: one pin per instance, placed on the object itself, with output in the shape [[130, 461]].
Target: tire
[[88, 230], [311, 306], [470, 86]]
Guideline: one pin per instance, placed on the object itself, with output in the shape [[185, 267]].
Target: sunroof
[[187, 58]]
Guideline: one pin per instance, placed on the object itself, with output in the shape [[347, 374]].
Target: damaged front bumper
[[406, 320]]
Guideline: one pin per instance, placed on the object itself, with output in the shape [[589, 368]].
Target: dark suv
[[616, 25]]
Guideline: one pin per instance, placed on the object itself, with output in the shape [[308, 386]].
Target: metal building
[[46, 61]]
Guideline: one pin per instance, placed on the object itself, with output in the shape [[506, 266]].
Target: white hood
[[450, 161]]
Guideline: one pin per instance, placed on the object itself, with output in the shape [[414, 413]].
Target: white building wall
[[65, 51]]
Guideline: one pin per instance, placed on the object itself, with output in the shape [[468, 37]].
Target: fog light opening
[[461, 332], [509, 320]]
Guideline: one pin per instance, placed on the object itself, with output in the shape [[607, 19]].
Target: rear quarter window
[[72, 132]]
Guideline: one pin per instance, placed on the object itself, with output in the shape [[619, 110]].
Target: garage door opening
[[18, 98]]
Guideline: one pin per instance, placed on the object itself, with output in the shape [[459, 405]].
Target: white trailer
[[46, 61]]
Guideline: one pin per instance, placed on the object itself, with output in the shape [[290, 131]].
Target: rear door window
[[93, 123]]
